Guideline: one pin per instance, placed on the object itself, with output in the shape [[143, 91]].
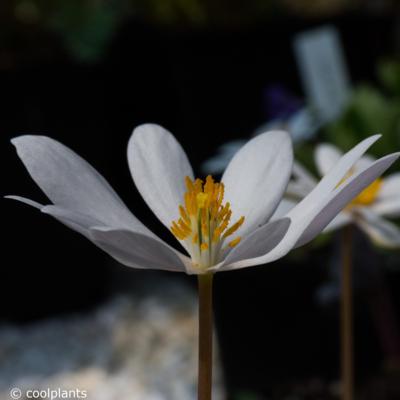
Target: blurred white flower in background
[[369, 210]]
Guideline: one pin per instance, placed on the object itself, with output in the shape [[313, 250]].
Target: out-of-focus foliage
[[87, 26], [246, 396], [370, 111], [389, 73]]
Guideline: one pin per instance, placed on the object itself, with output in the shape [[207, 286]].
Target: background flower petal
[[283, 208], [388, 201], [257, 176], [342, 219], [158, 166], [381, 231], [364, 162], [326, 157], [302, 182], [388, 207], [390, 187]]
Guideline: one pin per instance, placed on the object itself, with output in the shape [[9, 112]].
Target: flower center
[[369, 194], [204, 222]]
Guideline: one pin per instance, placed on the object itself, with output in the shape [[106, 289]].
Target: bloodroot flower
[[222, 226], [369, 210]]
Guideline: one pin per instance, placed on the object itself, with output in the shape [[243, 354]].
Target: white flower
[[368, 210], [253, 185]]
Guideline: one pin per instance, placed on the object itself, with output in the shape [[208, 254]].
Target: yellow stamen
[[235, 242], [185, 228], [234, 227], [189, 184], [225, 221], [204, 219], [184, 215], [209, 185], [178, 232], [198, 185], [201, 199]]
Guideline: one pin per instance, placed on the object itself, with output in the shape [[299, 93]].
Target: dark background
[[206, 85]]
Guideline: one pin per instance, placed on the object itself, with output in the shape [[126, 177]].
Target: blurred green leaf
[[86, 26], [246, 396], [369, 112], [389, 75]]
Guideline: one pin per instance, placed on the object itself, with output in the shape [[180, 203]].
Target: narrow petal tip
[[370, 140], [392, 157], [25, 201]]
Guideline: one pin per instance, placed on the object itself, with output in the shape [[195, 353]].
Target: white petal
[[128, 247], [326, 157], [364, 162], [71, 183], [258, 243], [257, 176], [283, 208], [342, 219], [388, 201], [159, 166], [138, 251], [302, 182], [344, 194], [330, 181], [387, 208], [301, 174], [381, 231], [75, 221], [390, 187], [309, 208], [24, 200]]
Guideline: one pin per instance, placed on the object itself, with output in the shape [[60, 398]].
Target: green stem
[[346, 315], [205, 336]]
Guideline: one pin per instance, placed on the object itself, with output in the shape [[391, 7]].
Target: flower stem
[[346, 314], [205, 336]]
